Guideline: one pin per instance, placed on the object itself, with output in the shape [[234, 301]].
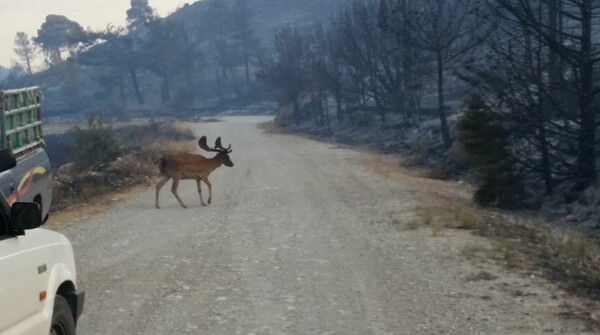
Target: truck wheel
[[62, 318], [38, 200]]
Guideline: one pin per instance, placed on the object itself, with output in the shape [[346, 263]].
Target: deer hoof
[[157, 206]]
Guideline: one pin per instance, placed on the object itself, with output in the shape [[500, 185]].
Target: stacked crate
[[21, 119]]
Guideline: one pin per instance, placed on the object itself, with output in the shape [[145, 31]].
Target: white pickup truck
[[38, 287]]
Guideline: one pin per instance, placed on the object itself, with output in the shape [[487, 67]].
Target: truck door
[[22, 303], [8, 185]]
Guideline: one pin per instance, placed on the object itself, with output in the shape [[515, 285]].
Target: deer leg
[[174, 191], [198, 181], [158, 187], [209, 189]]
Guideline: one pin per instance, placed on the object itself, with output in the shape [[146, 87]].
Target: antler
[[202, 144], [218, 146]]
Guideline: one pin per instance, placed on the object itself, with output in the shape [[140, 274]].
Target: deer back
[[186, 164]]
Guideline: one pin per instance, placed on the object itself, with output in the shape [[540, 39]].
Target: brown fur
[[189, 166]]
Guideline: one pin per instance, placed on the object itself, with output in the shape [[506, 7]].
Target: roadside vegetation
[[101, 159], [519, 241], [473, 91]]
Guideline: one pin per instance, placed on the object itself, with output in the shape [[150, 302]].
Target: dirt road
[[297, 241]]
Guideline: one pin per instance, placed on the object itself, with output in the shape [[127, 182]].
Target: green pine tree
[[483, 137]]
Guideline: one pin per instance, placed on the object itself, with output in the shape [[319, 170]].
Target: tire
[[62, 318], [38, 200]]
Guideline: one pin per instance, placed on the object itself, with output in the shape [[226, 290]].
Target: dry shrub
[[570, 257], [135, 167], [466, 218], [455, 216], [416, 158], [404, 220]]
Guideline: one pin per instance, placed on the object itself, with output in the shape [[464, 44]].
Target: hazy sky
[[28, 16]]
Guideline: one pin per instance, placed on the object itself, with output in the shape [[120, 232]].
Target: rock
[[570, 218], [66, 170]]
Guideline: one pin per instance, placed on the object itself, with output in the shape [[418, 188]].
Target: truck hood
[[43, 237]]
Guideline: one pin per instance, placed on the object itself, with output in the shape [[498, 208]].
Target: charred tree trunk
[[136, 86], [441, 111], [586, 157]]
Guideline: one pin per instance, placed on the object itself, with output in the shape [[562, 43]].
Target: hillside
[[266, 16], [203, 57]]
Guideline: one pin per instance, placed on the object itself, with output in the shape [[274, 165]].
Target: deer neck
[[215, 163]]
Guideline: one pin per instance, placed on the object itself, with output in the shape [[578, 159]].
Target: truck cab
[[38, 286]]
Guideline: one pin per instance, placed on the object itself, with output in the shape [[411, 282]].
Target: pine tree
[[482, 136], [139, 14], [26, 50]]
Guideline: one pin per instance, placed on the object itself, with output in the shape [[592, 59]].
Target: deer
[[192, 166]]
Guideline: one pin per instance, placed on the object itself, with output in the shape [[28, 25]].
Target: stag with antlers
[[192, 166]]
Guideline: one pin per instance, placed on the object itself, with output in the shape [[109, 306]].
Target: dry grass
[[455, 216], [480, 275], [436, 218], [570, 258], [403, 220]]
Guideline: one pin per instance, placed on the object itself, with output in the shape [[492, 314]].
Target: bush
[[482, 136], [95, 145]]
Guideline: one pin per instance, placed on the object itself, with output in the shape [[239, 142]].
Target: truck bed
[[21, 120]]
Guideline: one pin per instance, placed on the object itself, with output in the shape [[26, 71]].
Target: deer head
[[222, 153]]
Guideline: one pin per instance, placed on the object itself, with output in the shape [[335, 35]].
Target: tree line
[[185, 61], [529, 69]]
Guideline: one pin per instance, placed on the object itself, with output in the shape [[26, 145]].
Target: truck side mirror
[[7, 160], [25, 215]]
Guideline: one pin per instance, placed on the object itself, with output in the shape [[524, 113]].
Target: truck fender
[[60, 275]]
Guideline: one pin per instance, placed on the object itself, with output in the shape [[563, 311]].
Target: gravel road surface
[[296, 241]]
